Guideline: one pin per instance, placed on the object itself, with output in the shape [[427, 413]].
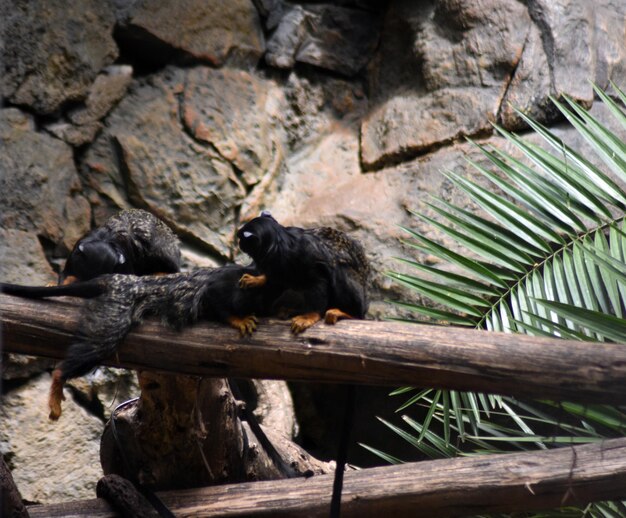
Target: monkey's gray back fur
[[148, 234], [132, 241], [175, 299]]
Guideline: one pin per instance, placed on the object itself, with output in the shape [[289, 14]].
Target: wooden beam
[[443, 488], [362, 352]]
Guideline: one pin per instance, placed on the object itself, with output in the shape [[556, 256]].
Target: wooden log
[[450, 487], [125, 497], [10, 499], [365, 352]]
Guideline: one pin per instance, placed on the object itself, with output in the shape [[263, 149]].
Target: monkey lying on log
[[116, 302], [318, 271], [132, 242]]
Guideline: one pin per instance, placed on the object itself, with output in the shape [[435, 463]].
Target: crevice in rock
[[406, 155], [547, 38], [39, 120], [50, 250], [188, 132], [234, 245], [511, 76], [239, 173], [138, 201], [130, 188], [148, 54], [143, 51]]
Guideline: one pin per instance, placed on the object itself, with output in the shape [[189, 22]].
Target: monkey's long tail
[[84, 290], [82, 357], [104, 325], [342, 451]]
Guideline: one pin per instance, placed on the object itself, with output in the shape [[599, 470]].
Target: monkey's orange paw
[[301, 323], [252, 281], [56, 395], [335, 314], [246, 325]]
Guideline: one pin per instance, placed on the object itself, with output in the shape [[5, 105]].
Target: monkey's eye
[[81, 248]]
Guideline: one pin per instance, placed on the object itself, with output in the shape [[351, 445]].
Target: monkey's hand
[[333, 315], [252, 281], [70, 279], [56, 395], [245, 325], [300, 323]]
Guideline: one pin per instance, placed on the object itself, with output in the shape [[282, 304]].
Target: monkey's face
[[257, 237], [93, 258]]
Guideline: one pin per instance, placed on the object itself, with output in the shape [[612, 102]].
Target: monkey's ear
[[247, 234], [121, 258], [81, 247], [266, 214]]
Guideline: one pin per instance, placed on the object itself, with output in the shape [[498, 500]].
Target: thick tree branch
[[451, 487], [365, 352]]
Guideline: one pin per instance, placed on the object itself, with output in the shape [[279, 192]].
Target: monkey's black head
[[258, 237], [92, 258]]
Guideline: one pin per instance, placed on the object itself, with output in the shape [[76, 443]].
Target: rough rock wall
[[206, 112]]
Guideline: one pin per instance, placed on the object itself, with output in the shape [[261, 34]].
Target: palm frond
[[546, 257]]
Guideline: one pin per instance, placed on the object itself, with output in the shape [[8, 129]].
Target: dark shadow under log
[[185, 431]]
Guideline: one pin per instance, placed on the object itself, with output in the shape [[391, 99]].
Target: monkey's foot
[[252, 281], [246, 325], [300, 323], [335, 314], [56, 395]]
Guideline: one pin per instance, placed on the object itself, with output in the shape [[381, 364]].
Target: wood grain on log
[[11, 504], [443, 488], [365, 352]]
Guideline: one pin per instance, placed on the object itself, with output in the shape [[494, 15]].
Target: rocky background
[[206, 112]]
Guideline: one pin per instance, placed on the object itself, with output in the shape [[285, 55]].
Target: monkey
[[319, 271], [117, 302], [132, 241]]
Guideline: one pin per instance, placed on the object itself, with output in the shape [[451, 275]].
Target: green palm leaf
[[549, 258]]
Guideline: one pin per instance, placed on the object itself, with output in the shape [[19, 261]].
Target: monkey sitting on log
[[320, 271]]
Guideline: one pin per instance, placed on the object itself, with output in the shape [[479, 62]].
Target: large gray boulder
[[84, 121], [571, 43], [147, 158], [441, 76], [211, 31], [39, 187], [234, 111], [337, 38], [50, 461], [52, 50]]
